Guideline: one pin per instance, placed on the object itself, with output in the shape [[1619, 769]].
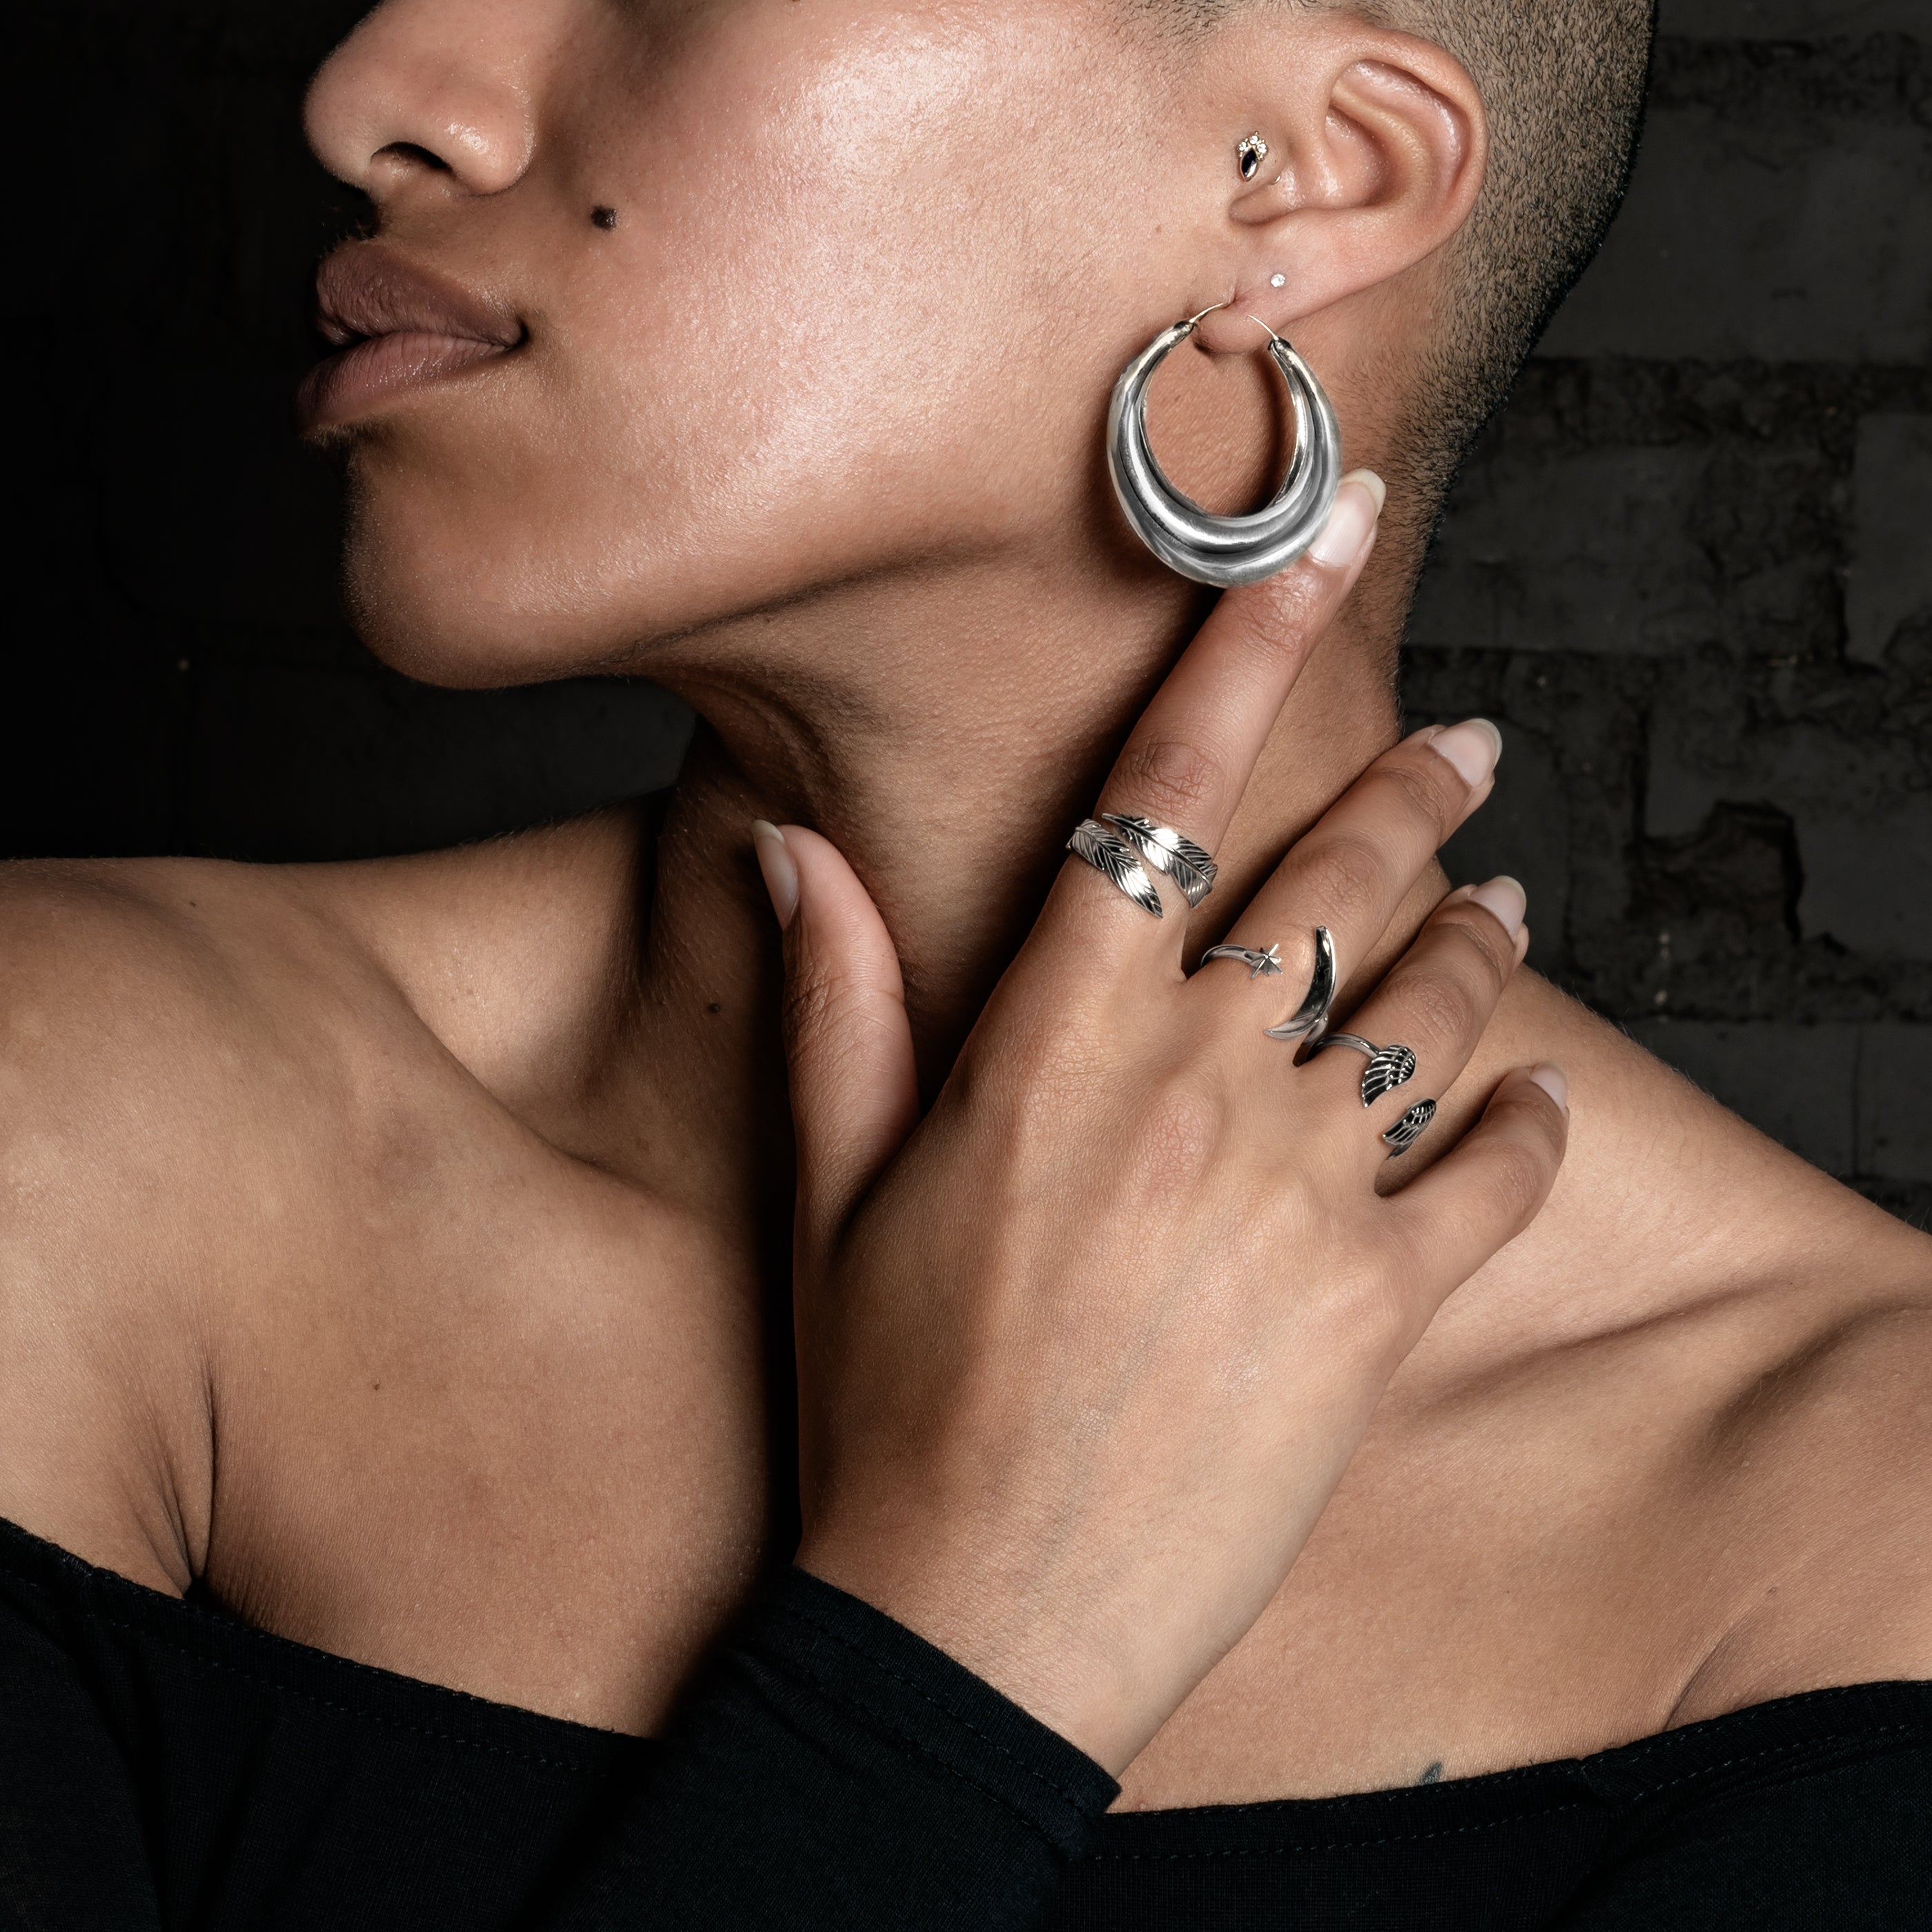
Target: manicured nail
[[780, 869], [1472, 747], [1551, 1080], [1505, 902], [1351, 522]]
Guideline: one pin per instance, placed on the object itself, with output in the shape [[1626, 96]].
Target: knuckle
[[1420, 793], [1519, 1173], [1167, 779], [1482, 948], [1275, 614], [1037, 1095], [1180, 1132], [1348, 878], [1380, 1306], [1439, 1003]]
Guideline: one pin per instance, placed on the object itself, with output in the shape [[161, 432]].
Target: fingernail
[[780, 869], [1504, 900], [1551, 1080], [1472, 747], [1351, 522]]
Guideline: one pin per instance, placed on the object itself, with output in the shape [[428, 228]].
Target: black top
[[162, 1766]]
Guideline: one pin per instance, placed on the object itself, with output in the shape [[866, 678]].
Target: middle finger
[[1351, 871]]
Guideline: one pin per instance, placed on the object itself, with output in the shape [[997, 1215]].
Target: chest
[[510, 1435], [530, 1443], [1464, 1606]]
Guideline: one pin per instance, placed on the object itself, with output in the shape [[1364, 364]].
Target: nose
[[431, 91]]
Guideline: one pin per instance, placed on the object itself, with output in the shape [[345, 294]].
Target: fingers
[[1487, 1190], [1435, 1003], [854, 1091], [1353, 870], [1190, 756]]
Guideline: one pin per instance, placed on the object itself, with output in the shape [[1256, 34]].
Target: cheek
[[838, 286], [841, 294]]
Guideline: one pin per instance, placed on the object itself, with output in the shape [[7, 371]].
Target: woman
[[393, 1250]]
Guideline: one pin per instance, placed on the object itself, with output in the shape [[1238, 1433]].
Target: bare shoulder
[[1827, 1452], [143, 1006], [134, 991], [217, 1080]]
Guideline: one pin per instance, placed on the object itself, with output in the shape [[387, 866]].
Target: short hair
[[1563, 84]]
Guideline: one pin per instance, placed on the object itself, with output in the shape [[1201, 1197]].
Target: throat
[[947, 740]]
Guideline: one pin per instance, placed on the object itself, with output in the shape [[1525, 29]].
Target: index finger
[[1190, 758]]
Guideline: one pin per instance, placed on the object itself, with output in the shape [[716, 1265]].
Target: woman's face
[[866, 270]]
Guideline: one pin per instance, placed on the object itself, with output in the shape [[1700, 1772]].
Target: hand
[[1083, 1355]]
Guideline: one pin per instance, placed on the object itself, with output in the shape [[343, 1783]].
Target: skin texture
[[1066, 1406], [402, 1248]]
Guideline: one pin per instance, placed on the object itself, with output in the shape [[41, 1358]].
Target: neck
[[947, 733]]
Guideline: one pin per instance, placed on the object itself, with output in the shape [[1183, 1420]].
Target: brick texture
[[1687, 568]]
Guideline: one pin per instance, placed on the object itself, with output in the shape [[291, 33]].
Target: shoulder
[[131, 991], [1824, 1455], [144, 1006]]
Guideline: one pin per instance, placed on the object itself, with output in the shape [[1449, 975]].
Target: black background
[[1688, 569]]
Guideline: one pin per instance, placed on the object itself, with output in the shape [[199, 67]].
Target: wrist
[[1045, 1653]]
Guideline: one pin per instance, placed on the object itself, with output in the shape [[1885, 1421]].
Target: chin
[[472, 594], [484, 574], [427, 611]]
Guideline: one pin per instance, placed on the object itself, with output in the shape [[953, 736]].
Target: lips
[[396, 328]]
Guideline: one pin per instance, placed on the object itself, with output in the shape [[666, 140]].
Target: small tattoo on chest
[[1433, 1775]]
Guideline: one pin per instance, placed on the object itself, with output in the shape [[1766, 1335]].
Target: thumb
[[854, 1091]]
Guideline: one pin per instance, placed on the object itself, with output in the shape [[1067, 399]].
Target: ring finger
[[1410, 1039], [1350, 873]]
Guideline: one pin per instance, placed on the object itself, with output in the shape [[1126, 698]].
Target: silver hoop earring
[[1194, 542]]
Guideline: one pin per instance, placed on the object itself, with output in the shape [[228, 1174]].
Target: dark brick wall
[[1688, 569]]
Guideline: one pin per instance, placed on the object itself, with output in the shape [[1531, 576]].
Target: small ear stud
[[1277, 281], [1249, 156]]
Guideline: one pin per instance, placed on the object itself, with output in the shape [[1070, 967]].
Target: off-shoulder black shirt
[[162, 1766]]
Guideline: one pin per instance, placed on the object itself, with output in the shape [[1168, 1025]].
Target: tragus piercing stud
[[1249, 156]]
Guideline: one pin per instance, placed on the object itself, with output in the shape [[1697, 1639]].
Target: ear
[[1376, 142]]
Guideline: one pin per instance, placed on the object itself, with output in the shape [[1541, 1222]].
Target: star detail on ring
[[1258, 963]]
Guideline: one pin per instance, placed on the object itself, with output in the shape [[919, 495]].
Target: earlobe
[[1375, 158]]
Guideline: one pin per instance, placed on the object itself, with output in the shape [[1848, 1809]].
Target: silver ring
[[1167, 850], [1407, 1130], [1310, 1019], [1115, 859], [1260, 965], [1389, 1067]]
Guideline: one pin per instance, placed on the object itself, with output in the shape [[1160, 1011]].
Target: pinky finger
[[1481, 1196]]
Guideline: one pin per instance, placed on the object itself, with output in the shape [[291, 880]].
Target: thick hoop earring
[[1194, 542]]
